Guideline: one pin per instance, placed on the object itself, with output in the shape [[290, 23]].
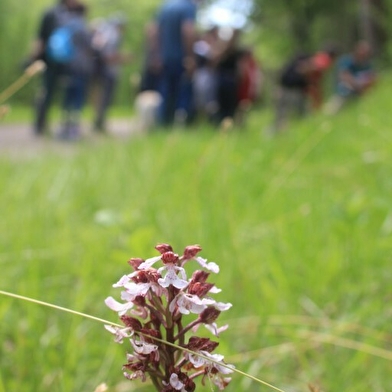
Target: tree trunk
[[373, 17]]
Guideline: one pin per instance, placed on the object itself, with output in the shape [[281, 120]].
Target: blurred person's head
[[119, 21], [362, 51], [71, 4], [332, 50], [80, 9]]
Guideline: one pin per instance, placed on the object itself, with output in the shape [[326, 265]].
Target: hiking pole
[[35, 68]]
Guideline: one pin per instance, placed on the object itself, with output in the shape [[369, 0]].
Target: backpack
[[60, 46]]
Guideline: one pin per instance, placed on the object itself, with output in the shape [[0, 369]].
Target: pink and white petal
[[171, 278], [213, 267], [227, 369], [132, 358], [140, 311], [196, 360], [213, 328], [214, 290], [222, 306], [144, 348], [214, 357], [181, 271], [117, 306], [158, 290], [119, 333], [172, 305], [218, 362], [193, 308], [149, 263], [136, 289], [125, 296], [175, 382], [137, 374], [220, 382], [122, 281], [189, 303]]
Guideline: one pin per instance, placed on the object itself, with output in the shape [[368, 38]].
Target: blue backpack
[[60, 47]]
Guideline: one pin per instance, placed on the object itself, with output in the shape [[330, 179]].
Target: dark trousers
[[227, 95], [75, 92], [176, 91], [106, 83], [51, 81]]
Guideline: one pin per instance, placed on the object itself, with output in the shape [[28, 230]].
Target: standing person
[[355, 75], [250, 84], [228, 78], [78, 73], [106, 42], [301, 79], [50, 21], [151, 71], [175, 37], [204, 77]]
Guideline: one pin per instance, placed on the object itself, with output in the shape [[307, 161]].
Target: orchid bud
[[163, 248], [191, 251]]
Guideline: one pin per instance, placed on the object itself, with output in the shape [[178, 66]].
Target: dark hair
[[80, 9], [331, 49]]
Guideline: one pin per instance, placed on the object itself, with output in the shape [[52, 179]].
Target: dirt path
[[18, 139]]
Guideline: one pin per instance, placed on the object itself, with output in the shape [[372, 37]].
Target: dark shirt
[[82, 63], [229, 62], [49, 22], [291, 76]]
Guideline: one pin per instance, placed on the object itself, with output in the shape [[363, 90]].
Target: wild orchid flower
[[156, 310]]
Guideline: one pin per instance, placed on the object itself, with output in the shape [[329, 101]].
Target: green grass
[[300, 226]]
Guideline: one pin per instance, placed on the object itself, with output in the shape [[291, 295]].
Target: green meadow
[[300, 225]]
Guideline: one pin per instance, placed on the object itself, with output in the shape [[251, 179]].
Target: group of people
[[188, 73], [197, 73], [194, 74], [76, 54], [301, 82]]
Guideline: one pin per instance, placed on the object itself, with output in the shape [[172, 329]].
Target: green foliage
[[300, 225], [287, 26]]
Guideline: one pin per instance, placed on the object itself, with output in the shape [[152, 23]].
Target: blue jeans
[[75, 92], [175, 88], [51, 78]]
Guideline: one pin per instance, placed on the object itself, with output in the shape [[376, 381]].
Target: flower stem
[[182, 332]]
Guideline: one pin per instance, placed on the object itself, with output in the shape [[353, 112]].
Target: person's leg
[[227, 96], [299, 102], [169, 90], [282, 109], [51, 77], [74, 99], [184, 110], [108, 85]]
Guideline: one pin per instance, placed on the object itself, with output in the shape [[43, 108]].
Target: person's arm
[[45, 28], [152, 38], [345, 76], [189, 38], [367, 80], [347, 79], [37, 50]]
